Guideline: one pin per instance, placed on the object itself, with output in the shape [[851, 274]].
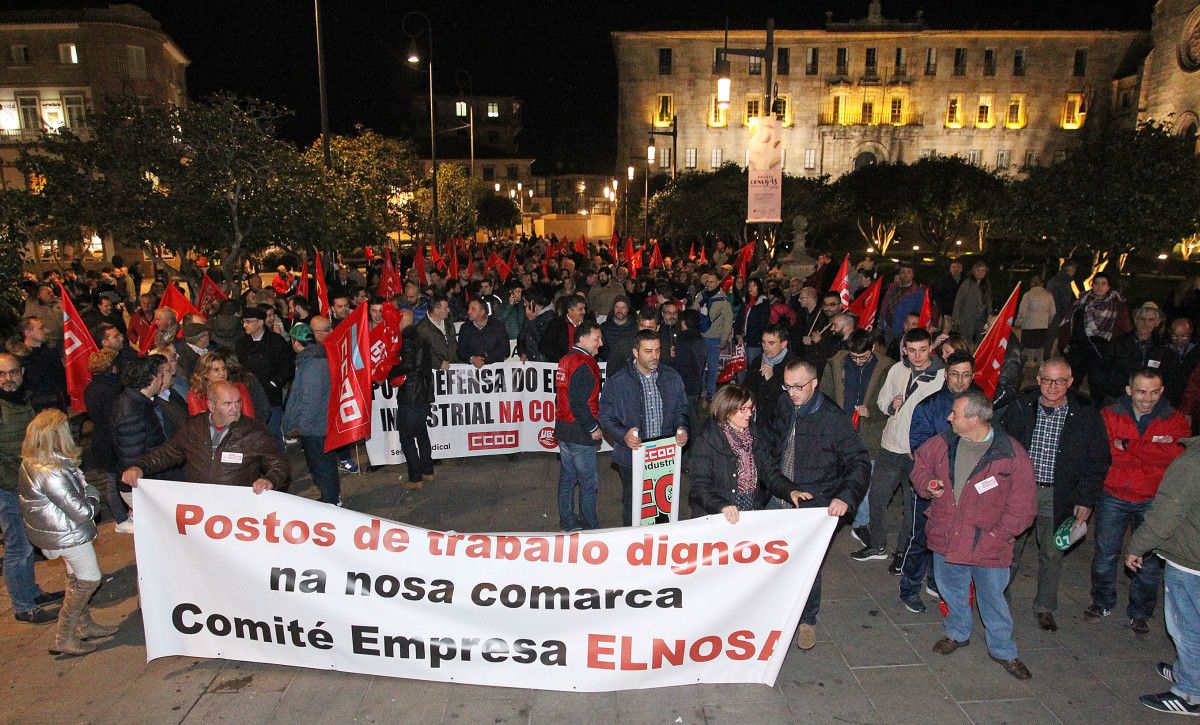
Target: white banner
[[505, 407], [764, 197], [277, 578]]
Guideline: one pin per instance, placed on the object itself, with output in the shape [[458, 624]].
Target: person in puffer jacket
[[57, 508], [1143, 434]]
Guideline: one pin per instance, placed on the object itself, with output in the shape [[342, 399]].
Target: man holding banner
[[576, 410], [641, 402]]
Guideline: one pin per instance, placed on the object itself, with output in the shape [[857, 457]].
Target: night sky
[[556, 56]]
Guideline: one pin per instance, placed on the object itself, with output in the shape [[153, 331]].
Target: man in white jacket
[[907, 383]]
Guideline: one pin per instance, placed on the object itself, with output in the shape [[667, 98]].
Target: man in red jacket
[[984, 494], [1143, 433], [577, 428]]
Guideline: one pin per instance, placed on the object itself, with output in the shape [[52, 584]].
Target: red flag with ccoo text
[[78, 346], [841, 282], [209, 291], [989, 356], [349, 350], [866, 305]]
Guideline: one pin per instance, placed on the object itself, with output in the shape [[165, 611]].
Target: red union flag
[[322, 293], [926, 312], [178, 303], [866, 305], [841, 282], [209, 291], [385, 343], [349, 351], [78, 346], [989, 356]]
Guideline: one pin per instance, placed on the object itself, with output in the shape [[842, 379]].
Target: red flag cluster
[[349, 351], [209, 292], [866, 305]]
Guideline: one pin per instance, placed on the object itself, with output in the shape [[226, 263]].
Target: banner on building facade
[[505, 407], [225, 573], [764, 200], [655, 481]]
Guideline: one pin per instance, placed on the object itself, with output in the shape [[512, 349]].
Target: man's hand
[[897, 402], [1082, 513], [478, 360], [816, 338], [1119, 444], [597, 434], [807, 339], [731, 514], [261, 485], [766, 370], [798, 496], [681, 437], [130, 476], [632, 440], [524, 358], [445, 365], [1133, 561], [863, 411], [838, 508]]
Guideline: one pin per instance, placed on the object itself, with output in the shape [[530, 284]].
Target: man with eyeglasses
[[820, 454], [930, 418], [1065, 436]]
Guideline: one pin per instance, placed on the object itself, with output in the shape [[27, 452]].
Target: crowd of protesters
[[782, 397]]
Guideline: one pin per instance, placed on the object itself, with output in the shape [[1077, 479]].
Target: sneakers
[[946, 645], [45, 598], [125, 527], [806, 637], [863, 534], [1166, 671], [1095, 613], [1140, 627], [870, 552], [932, 590], [897, 564], [349, 466], [1170, 703], [37, 615], [1016, 668], [913, 604]]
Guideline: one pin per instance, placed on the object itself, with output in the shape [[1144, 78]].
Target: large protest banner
[[505, 407], [287, 580], [655, 481]]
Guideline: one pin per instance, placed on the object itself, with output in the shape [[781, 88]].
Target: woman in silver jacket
[[58, 508]]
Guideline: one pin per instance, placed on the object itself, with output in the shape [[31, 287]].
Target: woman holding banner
[[729, 460], [58, 508]]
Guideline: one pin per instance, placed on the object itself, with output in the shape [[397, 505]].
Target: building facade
[[870, 91], [1170, 75], [58, 64]]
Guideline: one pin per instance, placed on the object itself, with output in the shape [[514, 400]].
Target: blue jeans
[[862, 515], [954, 583], [577, 467], [916, 563], [324, 468], [18, 554], [712, 365], [1182, 605], [813, 604], [112, 494], [1112, 516]]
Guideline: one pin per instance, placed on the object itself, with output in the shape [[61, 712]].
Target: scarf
[[1100, 315], [742, 444]]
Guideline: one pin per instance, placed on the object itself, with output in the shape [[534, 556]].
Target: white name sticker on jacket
[[231, 457], [1152, 363], [1162, 439], [986, 484]]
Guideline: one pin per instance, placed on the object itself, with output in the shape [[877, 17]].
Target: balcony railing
[[878, 117]]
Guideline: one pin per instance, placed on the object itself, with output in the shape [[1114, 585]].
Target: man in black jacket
[[1068, 443], [560, 334], [271, 359], [482, 339], [820, 453], [764, 374], [413, 398], [135, 423]]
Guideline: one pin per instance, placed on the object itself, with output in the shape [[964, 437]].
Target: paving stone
[[908, 694], [393, 699], [1009, 712], [240, 707], [321, 696], [572, 707], [818, 686], [865, 635]]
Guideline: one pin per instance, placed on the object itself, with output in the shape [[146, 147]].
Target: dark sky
[[557, 56]]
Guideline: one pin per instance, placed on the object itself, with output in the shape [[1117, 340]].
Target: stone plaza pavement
[[872, 663]]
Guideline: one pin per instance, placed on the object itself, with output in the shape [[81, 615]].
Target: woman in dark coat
[[730, 465], [99, 397]]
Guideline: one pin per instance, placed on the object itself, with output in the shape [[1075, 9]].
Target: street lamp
[[629, 174], [497, 187], [414, 57], [674, 134]]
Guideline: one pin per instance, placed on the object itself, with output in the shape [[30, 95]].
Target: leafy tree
[[699, 206], [458, 196], [946, 198], [496, 213], [1119, 191]]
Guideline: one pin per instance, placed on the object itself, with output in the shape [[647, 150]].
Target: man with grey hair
[[990, 481], [1145, 347]]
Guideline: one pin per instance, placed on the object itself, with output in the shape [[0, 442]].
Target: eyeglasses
[[860, 357], [747, 408], [11, 373], [963, 375], [1054, 382], [798, 386]]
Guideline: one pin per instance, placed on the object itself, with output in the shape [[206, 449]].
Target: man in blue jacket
[[641, 402], [929, 419]]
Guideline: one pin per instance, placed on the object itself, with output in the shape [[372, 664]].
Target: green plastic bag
[[1069, 533]]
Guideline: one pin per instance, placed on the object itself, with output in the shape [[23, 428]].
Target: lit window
[[896, 112], [29, 113], [753, 108], [68, 54], [76, 115], [664, 110], [868, 111], [717, 117], [493, 109], [838, 116], [689, 158], [755, 67], [19, 55], [1003, 159], [928, 153], [136, 61], [1030, 159], [1016, 111], [954, 111], [714, 158], [783, 108], [460, 109], [1074, 113], [810, 158], [983, 117], [664, 158]]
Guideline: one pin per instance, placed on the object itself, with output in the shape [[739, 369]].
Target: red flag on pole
[[419, 265], [633, 267], [692, 252], [615, 241], [512, 257], [78, 346], [452, 253], [349, 350], [436, 256], [581, 246], [385, 343], [656, 259], [471, 265], [209, 291], [745, 254], [926, 312], [177, 302], [841, 282], [989, 356], [389, 279], [322, 292], [703, 258], [866, 305], [302, 290]]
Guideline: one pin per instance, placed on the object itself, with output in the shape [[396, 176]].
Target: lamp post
[[321, 87], [629, 173], [414, 57], [674, 134], [650, 152]]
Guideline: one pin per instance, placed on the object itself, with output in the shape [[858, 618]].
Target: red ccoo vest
[[562, 383]]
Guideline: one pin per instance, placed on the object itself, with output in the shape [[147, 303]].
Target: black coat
[[272, 361], [766, 392], [100, 397], [135, 427], [1083, 453], [490, 343], [1128, 358], [713, 472], [690, 356], [830, 460], [416, 365]]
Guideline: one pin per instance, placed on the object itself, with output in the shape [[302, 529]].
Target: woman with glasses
[[729, 460]]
